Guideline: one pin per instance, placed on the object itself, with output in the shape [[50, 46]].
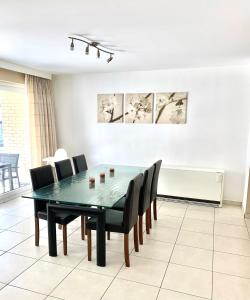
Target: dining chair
[[80, 163], [144, 202], [12, 159], [154, 190], [41, 177], [64, 170], [122, 221]]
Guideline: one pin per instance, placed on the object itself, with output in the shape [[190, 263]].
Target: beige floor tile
[[128, 290], [227, 287], [171, 295], [193, 257], [23, 211], [163, 234], [232, 245], [195, 239], [143, 270], [198, 226], [188, 280], [14, 293], [174, 204], [75, 254], [229, 210], [27, 226], [227, 219], [155, 250], [167, 221], [12, 265], [172, 211], [114, 262], [81, 284], [28, 248], [232, 264], [2, 285], [7, 221], [200, 207], [42, 277], [231, 230], [59, 233], [200, 215], [116, 242], [10, 239]]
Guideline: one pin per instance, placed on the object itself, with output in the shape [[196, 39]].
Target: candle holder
[[91, 182], [111, 172], [102, 177]]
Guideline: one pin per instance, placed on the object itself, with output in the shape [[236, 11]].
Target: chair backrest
[[63, 169], [155, 180], [130, 213], [80, 163], [41, 177], [145, 193], [10, 158]]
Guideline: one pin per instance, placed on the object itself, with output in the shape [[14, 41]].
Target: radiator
[[192, 183]]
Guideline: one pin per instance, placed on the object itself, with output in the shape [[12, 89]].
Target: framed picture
[[171, 108], [139, 108], [110, 108]]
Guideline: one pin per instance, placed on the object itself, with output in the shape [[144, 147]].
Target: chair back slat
[[130, 215], [63, 169], [145, 193], [155, 179], [80, 163]]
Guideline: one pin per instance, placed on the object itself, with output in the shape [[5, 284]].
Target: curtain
[[42, 119]]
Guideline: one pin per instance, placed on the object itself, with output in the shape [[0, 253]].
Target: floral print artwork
[[139, 108], [110, 108]]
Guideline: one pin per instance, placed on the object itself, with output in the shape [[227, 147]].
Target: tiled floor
[[194, 252]]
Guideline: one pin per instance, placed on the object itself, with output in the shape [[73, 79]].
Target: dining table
[[88, 193]]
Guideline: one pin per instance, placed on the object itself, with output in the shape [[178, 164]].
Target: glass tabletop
[[78, 190]]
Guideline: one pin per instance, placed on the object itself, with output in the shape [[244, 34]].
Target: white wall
[[215, 135]]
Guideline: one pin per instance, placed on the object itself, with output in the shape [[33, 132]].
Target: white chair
[[60, 154]]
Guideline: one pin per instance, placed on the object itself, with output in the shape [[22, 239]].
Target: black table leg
[[100, 239], [52, 232]]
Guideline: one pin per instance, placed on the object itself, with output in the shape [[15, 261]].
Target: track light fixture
[[72, 46], [93, 44], [109, 59]]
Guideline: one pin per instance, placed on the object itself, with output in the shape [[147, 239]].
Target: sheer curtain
[[42, 119]]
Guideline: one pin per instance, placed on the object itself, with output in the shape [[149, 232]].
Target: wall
[[215, 135]]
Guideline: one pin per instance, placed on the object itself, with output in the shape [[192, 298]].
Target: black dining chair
[[80, 163], [42, 177], [144, 202], [154, 189], [64, 170], [122, 221]]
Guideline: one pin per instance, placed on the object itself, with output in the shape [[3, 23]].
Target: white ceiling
[[155, 34]]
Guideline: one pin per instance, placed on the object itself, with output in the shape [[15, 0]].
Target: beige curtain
[[42, 119]]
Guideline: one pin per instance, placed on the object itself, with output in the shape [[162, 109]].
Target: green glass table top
[[77, 190]]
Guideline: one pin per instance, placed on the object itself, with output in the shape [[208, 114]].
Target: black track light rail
[[92, 44]]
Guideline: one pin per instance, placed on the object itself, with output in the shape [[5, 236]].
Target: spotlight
[[98, 53], [110, 58], [72, 46], [87, 50]]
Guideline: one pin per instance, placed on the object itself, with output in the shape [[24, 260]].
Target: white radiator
[[193, 183]]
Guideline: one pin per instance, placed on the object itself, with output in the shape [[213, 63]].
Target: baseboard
[[189, 199], [230, 202], [14, 194]]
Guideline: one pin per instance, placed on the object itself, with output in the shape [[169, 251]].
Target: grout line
[[172, 252]]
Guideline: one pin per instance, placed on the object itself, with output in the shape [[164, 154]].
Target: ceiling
[[157, 34]]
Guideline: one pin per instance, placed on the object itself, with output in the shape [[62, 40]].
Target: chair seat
[[61, 217], [114, 221], [119, 205]]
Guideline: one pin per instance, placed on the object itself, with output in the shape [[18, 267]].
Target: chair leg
[[108, 235], [83, 227], [88, 231], [64, 228], [136, 244], [141, 230], [126, 250], [155, 209], [150, 217], [37, 231], [148, 221], [86, 220]]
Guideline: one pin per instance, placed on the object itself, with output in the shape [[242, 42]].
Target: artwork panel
[[171, 108], [139, 108], [110, 108]]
